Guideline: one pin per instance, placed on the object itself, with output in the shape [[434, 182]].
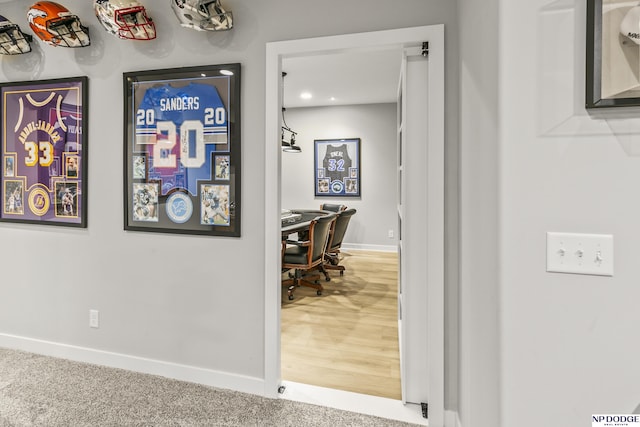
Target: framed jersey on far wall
[[182, 150], [337, 167], [44, 152]]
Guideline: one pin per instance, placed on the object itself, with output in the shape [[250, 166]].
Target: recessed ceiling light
[[306, 95], [333, 98]]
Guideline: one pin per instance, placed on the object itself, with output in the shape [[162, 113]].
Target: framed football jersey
[[337, 167], [182, 150], [44, 152]]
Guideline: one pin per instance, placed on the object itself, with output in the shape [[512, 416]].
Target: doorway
[[407, 37]]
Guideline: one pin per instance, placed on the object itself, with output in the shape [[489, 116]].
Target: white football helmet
[[12, 40], [125, 19], [202, 15]]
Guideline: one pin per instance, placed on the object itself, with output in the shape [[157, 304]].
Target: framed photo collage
[[181, 145]]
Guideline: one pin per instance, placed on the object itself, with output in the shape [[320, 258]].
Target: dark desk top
[[306, 216]]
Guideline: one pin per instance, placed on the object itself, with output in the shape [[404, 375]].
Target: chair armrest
[[298, 243]]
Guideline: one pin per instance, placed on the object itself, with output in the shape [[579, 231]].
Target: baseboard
[[143, 365], [363, 247]]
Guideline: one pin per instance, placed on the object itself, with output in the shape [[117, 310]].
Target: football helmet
[[55, 25], [202, 15], [12, 40], [125, 19]]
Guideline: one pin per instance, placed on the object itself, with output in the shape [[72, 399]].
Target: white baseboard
[[363, 247], [143, 365]]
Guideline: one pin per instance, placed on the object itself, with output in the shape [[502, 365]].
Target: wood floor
[[347, 338]]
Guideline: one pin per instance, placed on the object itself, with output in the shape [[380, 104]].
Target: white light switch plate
[[580, 253]]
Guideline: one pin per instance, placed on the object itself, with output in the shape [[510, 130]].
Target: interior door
[[412, 166]]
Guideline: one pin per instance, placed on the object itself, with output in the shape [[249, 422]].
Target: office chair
[[307, 255], [332, 207], [336, 236]]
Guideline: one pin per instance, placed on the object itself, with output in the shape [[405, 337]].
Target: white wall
[[192, 302], [569, 342], [375, 125], [479, 218]]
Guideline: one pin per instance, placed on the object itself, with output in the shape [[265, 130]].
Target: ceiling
[[367, 77]]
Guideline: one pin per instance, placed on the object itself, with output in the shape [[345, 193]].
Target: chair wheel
[[319, 293], [290, 297], [327, 279]]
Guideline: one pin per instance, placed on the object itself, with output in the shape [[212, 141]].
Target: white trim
[[143, 365], [364, 247], [354, 402], [403, 37]]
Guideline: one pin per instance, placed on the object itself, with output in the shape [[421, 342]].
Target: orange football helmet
[[55, 25]]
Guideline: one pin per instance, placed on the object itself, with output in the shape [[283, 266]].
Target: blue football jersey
[[180, 128]]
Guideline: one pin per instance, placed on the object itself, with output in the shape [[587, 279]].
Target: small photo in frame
[[222, 168], [13, 197], [145, 202], [71, 166], [139, 167], [214, 201], [66, 199]]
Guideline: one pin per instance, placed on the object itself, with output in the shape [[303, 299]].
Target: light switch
[[580, 253]]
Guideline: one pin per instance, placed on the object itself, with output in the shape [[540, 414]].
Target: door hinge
[[425, 409], [425, 49]]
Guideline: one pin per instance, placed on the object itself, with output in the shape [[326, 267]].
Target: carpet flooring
[[37, 390]]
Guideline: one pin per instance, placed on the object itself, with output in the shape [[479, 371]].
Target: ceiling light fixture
[[290, 145]]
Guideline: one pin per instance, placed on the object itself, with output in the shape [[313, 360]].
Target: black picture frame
[[44, 152], [337, 167], [612, 55], [182, 150]]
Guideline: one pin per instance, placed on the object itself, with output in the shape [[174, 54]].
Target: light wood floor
[[347, 338]]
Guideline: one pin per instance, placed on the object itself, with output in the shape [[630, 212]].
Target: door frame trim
[[403, 37]]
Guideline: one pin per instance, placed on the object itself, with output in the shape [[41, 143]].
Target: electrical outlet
[[94, 318], [391, 234], [580, 253]]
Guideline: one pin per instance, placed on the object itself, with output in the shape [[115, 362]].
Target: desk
[[303, 222]]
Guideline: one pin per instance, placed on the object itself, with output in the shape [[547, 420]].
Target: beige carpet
[[37, 390]]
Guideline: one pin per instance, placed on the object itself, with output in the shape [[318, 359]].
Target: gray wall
[[163, 297], [479, 218], [570, 338], [375, 125]]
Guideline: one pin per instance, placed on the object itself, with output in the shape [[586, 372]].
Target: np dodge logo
[[611, 420], [179, 208]]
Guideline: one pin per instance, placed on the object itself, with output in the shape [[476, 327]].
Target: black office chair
[[332, 207], [332, 258], [307, 255]]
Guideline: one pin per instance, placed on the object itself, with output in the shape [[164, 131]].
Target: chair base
[[298, 280]]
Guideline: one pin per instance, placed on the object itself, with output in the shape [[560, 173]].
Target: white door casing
[[434, 187]]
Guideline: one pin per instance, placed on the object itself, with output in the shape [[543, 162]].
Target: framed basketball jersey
[[182, 150], [44, 152], [337, 167]]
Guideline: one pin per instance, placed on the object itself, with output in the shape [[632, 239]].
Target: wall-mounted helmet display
[[125, 19], [202, 15], [55, 25], [12, 40]]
